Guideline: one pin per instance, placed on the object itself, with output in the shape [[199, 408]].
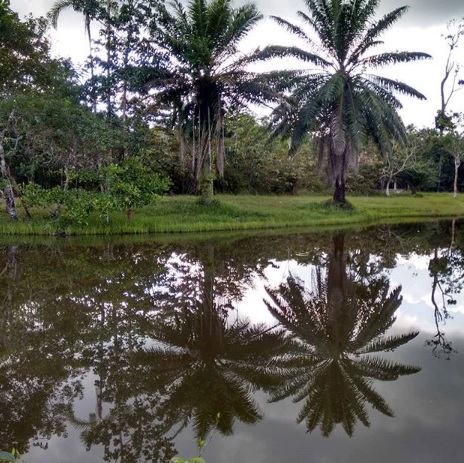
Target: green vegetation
[[242, 212], [162, 106]]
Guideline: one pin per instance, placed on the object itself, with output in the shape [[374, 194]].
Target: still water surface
[[329, 347]]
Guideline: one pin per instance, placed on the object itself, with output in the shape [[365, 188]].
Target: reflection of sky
[[413, 275], [71, 449], [416, 311]]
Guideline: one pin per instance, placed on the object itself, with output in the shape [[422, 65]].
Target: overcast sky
[[419, 29]]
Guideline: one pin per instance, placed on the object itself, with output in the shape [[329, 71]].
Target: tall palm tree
[[340, 102], [335, 324], [203, 75], [90, 9]]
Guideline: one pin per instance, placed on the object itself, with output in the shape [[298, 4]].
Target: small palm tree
[[203, 76], [340, 102]]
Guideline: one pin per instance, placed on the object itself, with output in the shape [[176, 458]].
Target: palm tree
[[90, 9], [208, 368], [335, 324], [202, 76], [340, 102]]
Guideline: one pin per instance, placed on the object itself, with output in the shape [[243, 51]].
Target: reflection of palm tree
[[335, 323], [209, 368]]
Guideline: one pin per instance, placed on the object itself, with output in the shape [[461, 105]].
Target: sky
[[420, 29]]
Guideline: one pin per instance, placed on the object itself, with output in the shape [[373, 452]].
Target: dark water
[[330, 347]]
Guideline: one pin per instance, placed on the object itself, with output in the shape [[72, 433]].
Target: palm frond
[[371, 396], [391, 85], [385, 59], [389, 343], [382, 369], [56, 10], [296, 30], [370, 37], [279, 51]]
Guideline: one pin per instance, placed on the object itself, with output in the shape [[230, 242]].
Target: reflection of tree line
[[205, 362]]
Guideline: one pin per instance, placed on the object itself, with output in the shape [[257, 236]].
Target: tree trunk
[[339, 193], [108, 58], [206, 186], [7, 192], [205, 165], [338, 164], [92, 66], [457, 163], [387, 188]]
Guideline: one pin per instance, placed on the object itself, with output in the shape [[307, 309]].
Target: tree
[[400, 159], [448, 88], [25, 54], [27, 68], [445, 122], [202, 76], [207, 364], [88, 9], [343, 104], [336, 323]]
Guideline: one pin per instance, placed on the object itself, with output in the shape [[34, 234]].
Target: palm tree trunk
[[340, 191], [108, 57], [206, 178], [338, 164]]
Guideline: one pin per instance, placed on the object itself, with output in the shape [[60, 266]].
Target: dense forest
[[164, 104]]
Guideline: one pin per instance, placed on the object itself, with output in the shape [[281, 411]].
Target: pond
[[264, 347]]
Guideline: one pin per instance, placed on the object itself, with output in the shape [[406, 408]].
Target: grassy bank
[[184, 214]]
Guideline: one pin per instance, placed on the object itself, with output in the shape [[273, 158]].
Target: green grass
[[245, 212]]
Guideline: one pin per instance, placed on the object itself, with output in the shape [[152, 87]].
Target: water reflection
[[446, 267], [131, 346], [338, 320], [208, 368]]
